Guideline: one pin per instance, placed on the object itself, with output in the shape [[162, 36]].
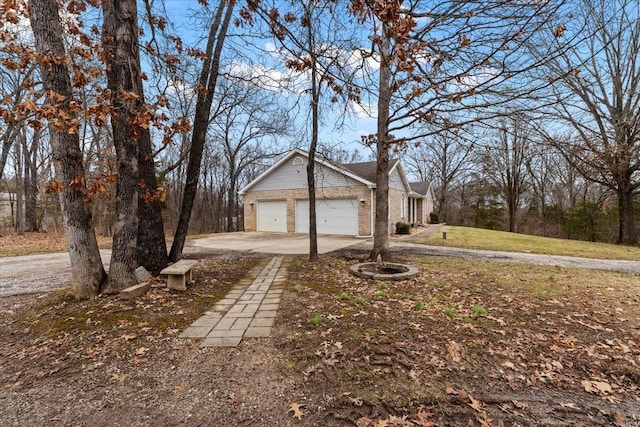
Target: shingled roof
[[367, 170], [419, 187]]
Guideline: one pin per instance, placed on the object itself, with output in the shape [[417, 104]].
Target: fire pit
[[384, 271]]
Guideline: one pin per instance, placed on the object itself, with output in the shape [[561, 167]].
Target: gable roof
[[420, 187], [364, 172], [319, 159]]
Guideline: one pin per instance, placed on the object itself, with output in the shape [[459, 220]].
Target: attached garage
[[272, 215], [333, 216]]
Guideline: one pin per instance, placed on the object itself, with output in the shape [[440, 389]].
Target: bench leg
[[190, 279], [177, 282]]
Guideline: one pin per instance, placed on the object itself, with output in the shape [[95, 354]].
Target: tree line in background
[[120, 119], [524, 186]]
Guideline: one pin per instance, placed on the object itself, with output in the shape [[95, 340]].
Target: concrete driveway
[[273, 243]]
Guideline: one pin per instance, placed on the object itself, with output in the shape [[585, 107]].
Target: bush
[[402, 228], [434, 218]]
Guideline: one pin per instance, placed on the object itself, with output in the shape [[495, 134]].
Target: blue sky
[[337, 131]]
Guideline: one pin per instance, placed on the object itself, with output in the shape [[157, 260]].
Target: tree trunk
[[19, 158], [381, 229], [31, 183], [120, 39], [231, 195], [511, 210], [8, 138], [208, 79], [311, 175], [311, 183], [627, 234], [87, 272], [152, 246], [7, 142]]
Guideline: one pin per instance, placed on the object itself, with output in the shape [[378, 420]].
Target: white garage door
[[333, 216], [272, 216]]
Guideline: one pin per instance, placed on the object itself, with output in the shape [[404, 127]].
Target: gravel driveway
[[622, 266], [40, 273], [46, 272]]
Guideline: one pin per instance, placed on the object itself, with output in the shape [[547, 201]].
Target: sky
[[262, 56]]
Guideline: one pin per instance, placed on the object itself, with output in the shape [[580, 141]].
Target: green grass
[[344, 296], [451, 312], [478, 310], [316, 319], [477, 238]]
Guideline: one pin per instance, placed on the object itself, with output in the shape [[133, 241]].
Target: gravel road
[[632, 267], [40, 273]]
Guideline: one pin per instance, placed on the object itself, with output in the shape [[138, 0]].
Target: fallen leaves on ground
[[507, 342], [597, 387], [295, 408], [55, 334], [492, 344]]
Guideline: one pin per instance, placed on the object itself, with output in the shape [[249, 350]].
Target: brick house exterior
[[277, 200]]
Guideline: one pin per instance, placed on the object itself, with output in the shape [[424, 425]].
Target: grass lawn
[[477, 238]]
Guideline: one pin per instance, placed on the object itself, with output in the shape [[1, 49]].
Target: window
[[298, 161], [402, 207]]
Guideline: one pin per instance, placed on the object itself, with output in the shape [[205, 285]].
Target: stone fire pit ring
[[384, 271]]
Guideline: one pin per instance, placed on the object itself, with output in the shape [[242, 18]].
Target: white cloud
[[363, 58], [267, 77], [473, 81], [364, 110]]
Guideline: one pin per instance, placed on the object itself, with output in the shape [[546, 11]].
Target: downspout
[[371, 213]]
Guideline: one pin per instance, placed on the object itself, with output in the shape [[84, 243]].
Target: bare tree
[[312, 38], [14, 88], [247, 119], [206, 89], [596, 85], [18, 167], [447, 64], [30, 143], [119, 34], [543, 166], [441, 160], [505, 164]]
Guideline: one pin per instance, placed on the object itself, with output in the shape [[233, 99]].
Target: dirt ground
[[466, 343]]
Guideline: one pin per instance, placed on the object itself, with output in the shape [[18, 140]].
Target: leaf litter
[[550, 346]]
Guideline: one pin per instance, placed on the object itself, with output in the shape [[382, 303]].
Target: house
[[278, 200]]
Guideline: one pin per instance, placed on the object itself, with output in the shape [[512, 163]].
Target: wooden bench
[[179, 273]]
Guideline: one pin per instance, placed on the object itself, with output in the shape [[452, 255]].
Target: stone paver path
[[248, 310]]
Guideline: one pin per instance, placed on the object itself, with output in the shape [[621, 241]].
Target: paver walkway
[[248, 310]]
